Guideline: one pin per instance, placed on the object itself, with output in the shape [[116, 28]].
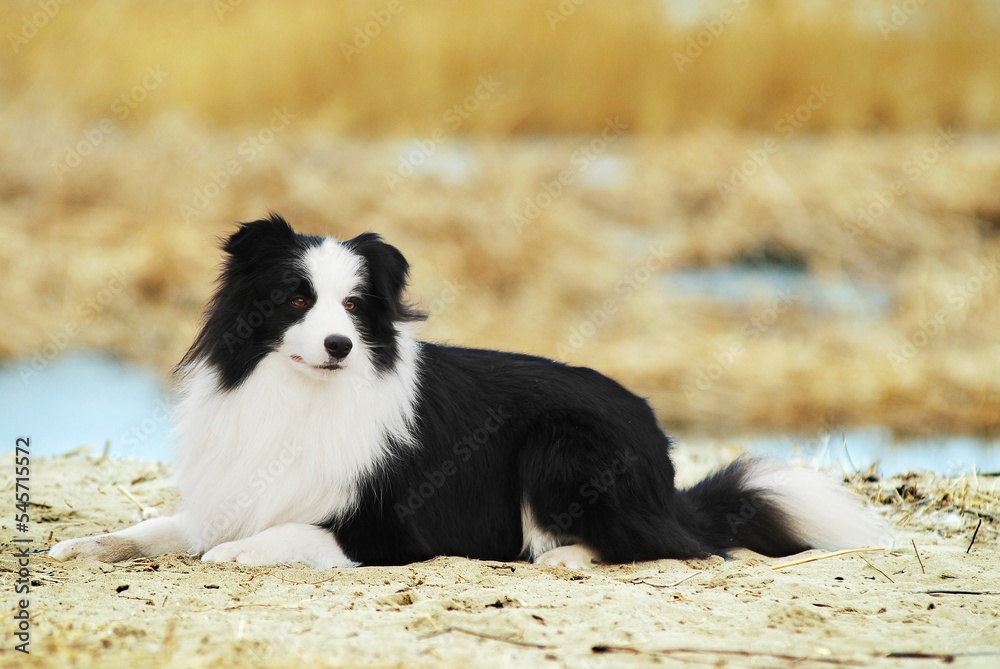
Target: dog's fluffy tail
[[777, 509]]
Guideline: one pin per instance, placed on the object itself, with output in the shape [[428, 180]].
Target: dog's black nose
[[338, 346]]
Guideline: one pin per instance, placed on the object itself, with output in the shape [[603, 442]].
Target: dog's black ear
[[387, 273], [256, 236]]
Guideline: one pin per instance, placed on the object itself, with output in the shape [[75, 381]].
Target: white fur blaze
[[535, 539], [822, 512]]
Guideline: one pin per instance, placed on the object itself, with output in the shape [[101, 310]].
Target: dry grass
[[926, 502], [234, 62], [118, 253], [531, 289]]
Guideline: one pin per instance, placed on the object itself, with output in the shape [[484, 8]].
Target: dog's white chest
[[278, 449]]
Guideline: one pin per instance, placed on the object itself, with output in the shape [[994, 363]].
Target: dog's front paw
[[244, 551], [281, 544], [573, 556], [103, 547]]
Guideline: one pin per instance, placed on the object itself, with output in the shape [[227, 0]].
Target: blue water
[[740, 285], [856, 449], [86, 399]]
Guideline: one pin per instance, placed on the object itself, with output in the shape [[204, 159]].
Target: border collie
[[315, 427]]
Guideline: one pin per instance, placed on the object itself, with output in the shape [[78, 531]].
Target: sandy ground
[[881, 608]]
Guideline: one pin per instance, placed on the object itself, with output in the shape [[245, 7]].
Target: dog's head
[[324, 307]]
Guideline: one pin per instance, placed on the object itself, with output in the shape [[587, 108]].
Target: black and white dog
[[314, 427]]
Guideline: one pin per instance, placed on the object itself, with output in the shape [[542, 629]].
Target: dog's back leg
[[610, 492]]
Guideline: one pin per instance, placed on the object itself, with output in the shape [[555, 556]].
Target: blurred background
[[778, 220]]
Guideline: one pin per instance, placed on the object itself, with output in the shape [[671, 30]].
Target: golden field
[[377, 66], [546, 167]]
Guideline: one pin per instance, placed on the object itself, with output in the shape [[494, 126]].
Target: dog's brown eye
[[350, 304], [298, 302]]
